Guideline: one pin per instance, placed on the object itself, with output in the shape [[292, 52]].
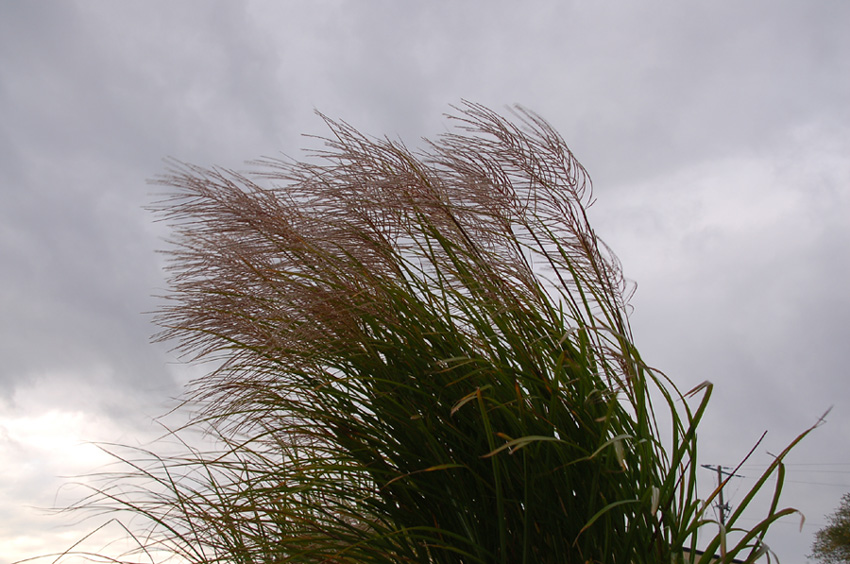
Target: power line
[[722, 507], [807, 483], [799, 464]]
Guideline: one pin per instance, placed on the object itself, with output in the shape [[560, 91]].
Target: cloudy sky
[[717, 135]]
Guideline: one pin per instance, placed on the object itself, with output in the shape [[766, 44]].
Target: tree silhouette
[[832, 543]]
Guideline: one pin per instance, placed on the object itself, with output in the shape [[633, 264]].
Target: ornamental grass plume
[[423, 356]]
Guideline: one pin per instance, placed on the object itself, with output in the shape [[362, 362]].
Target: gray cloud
[[716, 136]]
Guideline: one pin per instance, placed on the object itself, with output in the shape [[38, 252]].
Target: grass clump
[[424, 356]]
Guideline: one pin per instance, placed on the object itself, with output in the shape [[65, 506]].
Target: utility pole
[[721, 506]]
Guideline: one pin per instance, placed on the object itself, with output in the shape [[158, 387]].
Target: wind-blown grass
[[424, 357]]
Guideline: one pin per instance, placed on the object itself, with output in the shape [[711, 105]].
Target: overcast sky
[[717, 135]]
